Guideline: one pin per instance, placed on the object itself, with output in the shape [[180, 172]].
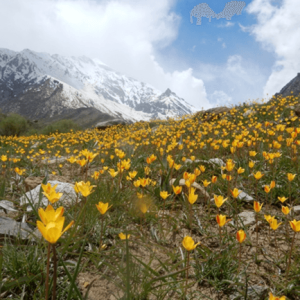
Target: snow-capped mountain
[[40, 85]]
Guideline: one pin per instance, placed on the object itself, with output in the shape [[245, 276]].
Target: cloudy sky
[[222, 62]]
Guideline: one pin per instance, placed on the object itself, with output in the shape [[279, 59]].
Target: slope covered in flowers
[[159, 207]]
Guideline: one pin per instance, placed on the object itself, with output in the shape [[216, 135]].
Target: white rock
[[189, 161], [297, 210], [247, 217], [9, 227], [194, 184], [217, 161], [7, 205], [245, 197], [69, 196], [54, 160]]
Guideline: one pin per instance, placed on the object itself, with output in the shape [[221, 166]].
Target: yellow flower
[[192, 197], [137, 183], [219, 200], [52, 226], [272, 184], [206, 183], [177, 167], [229, 165], [252, 153], [19, 171], [164, 194], [4, 158], [214, 179], [147, 170], [72, 159], [267, 189], [235, 192], [241, 236], [258, 175], [290, 176], [271, 297], [251, 164], [103, 207], [285, 210], [81, 162], [269, 219], [228, 177], [177, 189], [53, 196], [221, 220], [113, 173], [96, 175], [202, 168], [85, 188], [47, 188], [50, 214], [123, 236], [132, 174], [274, 225], [295, 225], [240, 170], [189, 244], [257, 206], [282, 199]]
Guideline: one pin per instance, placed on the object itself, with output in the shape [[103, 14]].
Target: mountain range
[[41, 86]]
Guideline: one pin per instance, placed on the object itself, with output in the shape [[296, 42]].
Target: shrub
[[13, 125], [61, 126]]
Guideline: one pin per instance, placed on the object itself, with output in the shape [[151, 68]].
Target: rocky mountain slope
[[40, 85], [292, 86]]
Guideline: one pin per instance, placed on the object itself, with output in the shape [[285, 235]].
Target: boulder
[[54, 160], [247, 217], [32, 182], [113, 122], [69, 196], [10, 227], [292, 86]]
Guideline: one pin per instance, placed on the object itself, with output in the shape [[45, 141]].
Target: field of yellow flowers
[[202, 207]]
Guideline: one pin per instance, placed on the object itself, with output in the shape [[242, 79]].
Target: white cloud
[[223, 45], [239, 78], [278, 30], [124, 34]]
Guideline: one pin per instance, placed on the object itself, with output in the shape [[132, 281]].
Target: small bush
[[61, 126], [13, 125]]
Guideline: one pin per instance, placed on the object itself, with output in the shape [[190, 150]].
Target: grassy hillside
[[174, 189]]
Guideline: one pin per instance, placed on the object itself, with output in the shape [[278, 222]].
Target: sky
[[218, 63]]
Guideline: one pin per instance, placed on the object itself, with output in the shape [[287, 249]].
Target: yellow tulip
[[103, 207], [137, 183], [229, 165], [123, 236], [206, 183], [257, 206], [285, 210], [164, 194], [85, 188], [202, 168], [240, 170], [269, 219], [50, 214], [219, 200], [272, 184], [143, 206], [47, 188], [189, 244], [19, 171], [241, 236], [192, 197], [258, 175], [267, 189], [53, 196], [113, 173], [235, 193], [274, 225], [290, 176], [221, 220], [177, 189], [282, 199], [132, 174], [52, 226], [295, 225]]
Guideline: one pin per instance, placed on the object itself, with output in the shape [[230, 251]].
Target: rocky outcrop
[[292, 86]]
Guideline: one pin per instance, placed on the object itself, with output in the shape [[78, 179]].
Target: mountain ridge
[[39, 85]]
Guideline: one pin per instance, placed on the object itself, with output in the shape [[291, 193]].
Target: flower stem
[[100, 243], [289, 263], [47, 275], [54, 272]]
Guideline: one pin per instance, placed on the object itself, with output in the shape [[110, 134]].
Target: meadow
[[158, 209]]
